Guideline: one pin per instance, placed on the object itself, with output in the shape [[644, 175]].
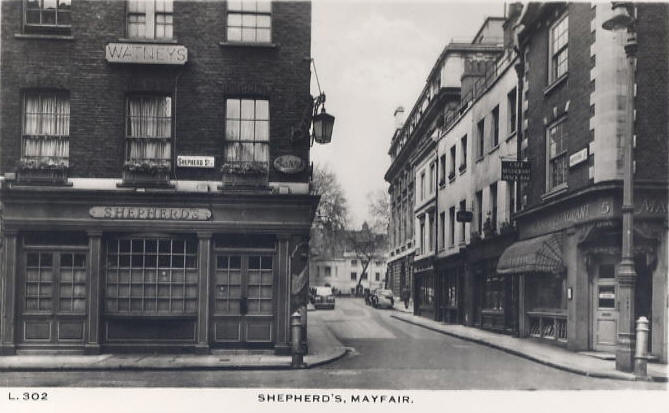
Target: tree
[[366, 245], [378, 204], [331, 215]]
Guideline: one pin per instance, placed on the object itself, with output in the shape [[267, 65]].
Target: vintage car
[[324, 298], [382, 298]]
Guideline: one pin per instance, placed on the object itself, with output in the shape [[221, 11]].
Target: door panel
[[605, 315]]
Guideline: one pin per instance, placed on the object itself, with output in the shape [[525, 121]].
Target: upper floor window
[[422, 186], [463, 153], [557, 159], [247, 130], [451, 174], [432, 175], [479, 210], [451, 226], [149, 128], [480, 129], [442, 169], [46, 126], [249, 21], [150, 19], [48, 15], [495, 126], [559, 50], [511, 110], [493, 206]]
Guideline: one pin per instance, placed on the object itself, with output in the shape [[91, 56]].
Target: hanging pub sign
[[187, 161], [464, 216], [289, 164], [518, 171]]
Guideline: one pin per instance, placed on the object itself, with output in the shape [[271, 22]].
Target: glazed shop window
[[493, 297], [55, 282], [557, 165], [146, 276], [47, 16], [249, 21], [559, 50], [149, 128], [247, 130], [150, 19], [46, 127]]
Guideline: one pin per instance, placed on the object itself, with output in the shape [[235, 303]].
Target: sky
[[372, 56]]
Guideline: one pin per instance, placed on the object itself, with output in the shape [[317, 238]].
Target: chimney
[[475, 69], [513, 13], [399, 117]]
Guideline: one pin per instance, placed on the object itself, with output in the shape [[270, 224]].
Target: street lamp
[[322, 122], [621, 22]]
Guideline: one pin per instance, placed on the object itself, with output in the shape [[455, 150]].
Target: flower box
[[146, 173], [244, 175], [44, 171]]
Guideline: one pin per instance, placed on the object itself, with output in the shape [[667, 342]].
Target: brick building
[[156, 188]]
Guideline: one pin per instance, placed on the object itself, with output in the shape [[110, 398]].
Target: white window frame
[[245, 20], [43, 139], [258, 135], [152, 10], [556, 48], [562, 154]]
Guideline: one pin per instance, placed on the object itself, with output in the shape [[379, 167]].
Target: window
[[512, 197], [451, 224], [511, 110], [247, 130], [463, 207], [46, 126], [430, 231], [421, 248], [328, 271], [479, 210], [463, 153], [149, 128], [354, 276], [432, 175], [150, 19], [378, 263], [51, 288], [363, 276], [557, 155], [354, 262], [48, 16], [422, 185], [377, 276], [442, 229], [495, 126], [480, 129], [493, 206], [442, 169], [451, 174], [559, 50], [250, 21]]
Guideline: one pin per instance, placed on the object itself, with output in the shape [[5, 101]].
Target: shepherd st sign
[[518, 171]]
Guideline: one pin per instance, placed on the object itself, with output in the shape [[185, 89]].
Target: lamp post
[[623, 21]]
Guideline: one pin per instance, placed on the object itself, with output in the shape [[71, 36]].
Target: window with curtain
[[149, 128], [150, 19], [557, 155], [48, 15], [46, 125], [247, 130], [249, 21]]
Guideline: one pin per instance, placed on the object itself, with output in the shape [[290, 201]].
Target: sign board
[[516, 171], [187, 161], [464, 216], [578, 157], [155, 54], [150, 213], [289, 164]]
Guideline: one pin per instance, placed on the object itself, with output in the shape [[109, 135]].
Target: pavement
[[581, 363]]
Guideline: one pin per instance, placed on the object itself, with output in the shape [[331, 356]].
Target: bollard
[[296, 340], [640, 356]]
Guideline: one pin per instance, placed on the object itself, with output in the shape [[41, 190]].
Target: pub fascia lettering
[[565, 218], [146, 53], [150, 213]]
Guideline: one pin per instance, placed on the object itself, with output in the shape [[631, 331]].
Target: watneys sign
[[289, 164], [156, 54]]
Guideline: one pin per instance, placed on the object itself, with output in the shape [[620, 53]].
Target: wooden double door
[[243, 299]]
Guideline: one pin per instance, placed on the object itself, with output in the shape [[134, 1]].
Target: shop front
[[163, 271], [425, 304], [450, 284]]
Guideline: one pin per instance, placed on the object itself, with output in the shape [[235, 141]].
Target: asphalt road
[[385, 354]]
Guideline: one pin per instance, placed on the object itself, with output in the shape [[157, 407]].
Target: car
[[324, 298], [382, 298]]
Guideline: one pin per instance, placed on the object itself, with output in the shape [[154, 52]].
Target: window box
[[146, 172], [244, 175], [42, 171]]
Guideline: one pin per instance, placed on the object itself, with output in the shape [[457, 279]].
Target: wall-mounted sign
[[289, 164], [516, 171], [578, 157], [150, 213], [464, 216], [187, 161], [155, 54]]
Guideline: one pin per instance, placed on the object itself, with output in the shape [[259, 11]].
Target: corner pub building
[[156, 183]]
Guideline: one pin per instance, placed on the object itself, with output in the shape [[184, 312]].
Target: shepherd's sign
[[156, 54]]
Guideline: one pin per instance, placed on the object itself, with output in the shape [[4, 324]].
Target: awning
[[540, 254]]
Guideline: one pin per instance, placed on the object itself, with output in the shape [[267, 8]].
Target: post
[[640, 356], [296, 340]]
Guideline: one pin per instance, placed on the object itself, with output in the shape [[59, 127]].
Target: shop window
[[545, 292], [150, 19], [47, 16], [147, 276], [493, 297], [46, 128], [149, 130], [450, 291], [55, 283], [249, 21], [557, 159], [559, 50], [247, 130]]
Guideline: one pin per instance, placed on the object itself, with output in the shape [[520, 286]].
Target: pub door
[[242, 300], [604, 312]]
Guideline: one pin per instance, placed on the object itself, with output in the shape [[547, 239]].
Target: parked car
[[324, 298], [382, 298]]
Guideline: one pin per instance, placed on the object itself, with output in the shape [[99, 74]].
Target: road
[[386, 353]]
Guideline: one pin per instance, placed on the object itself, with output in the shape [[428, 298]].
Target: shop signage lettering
[[184, 161], [150, 213], [565, 218], [289, 164], [159, 54], [516, 171], [652, 207]]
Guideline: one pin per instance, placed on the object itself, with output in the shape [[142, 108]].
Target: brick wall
[[98, 89]]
